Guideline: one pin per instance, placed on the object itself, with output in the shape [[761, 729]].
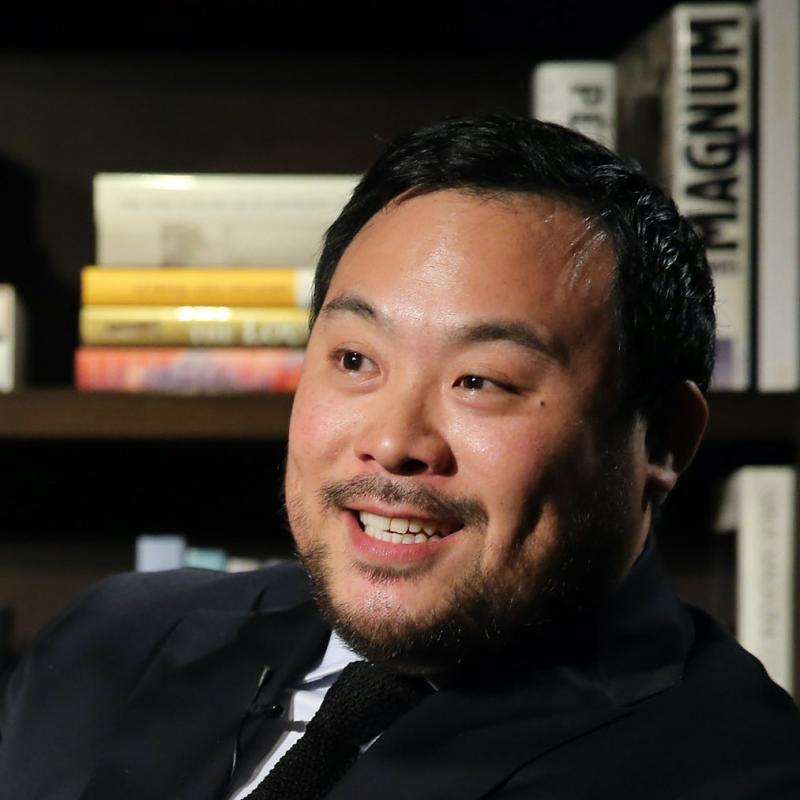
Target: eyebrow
[[353, 304], [509, 331], [501, 330]]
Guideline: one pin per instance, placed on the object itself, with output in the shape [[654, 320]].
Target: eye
[[473, 383], [353, 361], [477, 383]]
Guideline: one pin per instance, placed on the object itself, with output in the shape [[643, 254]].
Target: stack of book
[[202, 282]]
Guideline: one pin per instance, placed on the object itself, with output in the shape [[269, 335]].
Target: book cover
[[197, 286], [188, 370], [778, 219], [577, 94], [199, 326], [759, 506], [12, 339], [685, 113], [155, 219]]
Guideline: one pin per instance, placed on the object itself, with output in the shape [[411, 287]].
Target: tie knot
[[364, 700]]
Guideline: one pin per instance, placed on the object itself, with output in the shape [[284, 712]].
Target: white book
[[159, 551], [759, 505], [577, 94], [778, 241], [685, 93], [155, 219], [12, 339]]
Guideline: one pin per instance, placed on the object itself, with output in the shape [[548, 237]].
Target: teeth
[[398, 530], [398, 525]]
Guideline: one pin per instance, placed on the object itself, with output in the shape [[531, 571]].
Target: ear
[[673, 436]]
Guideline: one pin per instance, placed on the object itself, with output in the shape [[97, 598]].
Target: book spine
[[712, 170], [778, 239], [765, 561], [200, 326], [685, 100], [198, 286], [187, 370], [577, 94], [180, 220], [11, 339]]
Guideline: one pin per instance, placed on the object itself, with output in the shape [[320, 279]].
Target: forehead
[[451, 252]]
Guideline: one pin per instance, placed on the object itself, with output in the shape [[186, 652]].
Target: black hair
[[663, 285]]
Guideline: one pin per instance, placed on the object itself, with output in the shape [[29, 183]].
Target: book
[[685, 113], [203, 326], [206, 558], [159, 551], [758, 503], [12, 339], [778, 219], [197, 286], [187, 370], [159, 219], [577, 94]]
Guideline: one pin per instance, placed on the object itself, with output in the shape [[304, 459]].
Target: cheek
[[319, 426], [508, 457]]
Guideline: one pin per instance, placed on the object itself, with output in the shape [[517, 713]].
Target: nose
[[400, 432]]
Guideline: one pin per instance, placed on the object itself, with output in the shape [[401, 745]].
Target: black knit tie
[[363, 701]]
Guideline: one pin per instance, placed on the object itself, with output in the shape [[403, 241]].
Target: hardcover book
[[759, 506], [199, 326], [188, 370], [12, 339], [197, 286], [577, 94], [156, 219], [778, 240], [685, 94]]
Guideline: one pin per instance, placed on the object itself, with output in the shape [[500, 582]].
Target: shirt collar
[[336, 657]]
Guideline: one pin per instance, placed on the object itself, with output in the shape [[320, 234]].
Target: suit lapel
[[177, 734], [426, 754]]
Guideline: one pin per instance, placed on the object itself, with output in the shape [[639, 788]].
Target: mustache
[[338, 494]]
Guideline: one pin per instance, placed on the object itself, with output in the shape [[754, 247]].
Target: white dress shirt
[[304, 701]]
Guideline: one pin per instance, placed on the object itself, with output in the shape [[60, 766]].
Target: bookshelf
[[64, 413], [183, 88]]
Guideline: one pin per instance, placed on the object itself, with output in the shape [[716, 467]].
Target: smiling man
[[512, 339]]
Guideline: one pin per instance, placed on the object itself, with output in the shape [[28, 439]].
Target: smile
[[402, 530]]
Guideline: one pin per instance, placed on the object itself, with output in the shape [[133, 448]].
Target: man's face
[[455, 476]]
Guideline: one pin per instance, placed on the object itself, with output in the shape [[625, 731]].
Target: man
[[512, 338]]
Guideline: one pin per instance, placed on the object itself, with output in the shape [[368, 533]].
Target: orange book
[[188, 370]]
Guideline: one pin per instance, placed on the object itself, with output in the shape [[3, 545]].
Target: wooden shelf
[[64, 413], [749, 416]]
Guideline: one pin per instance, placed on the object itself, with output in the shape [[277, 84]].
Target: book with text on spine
[[188, 370], [197, 286], [758, 505], [581, 95], [685, 114], [199, 326], [161, 219]]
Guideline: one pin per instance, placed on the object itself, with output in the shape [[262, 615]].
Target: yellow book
[[197, 286], [204, 326]]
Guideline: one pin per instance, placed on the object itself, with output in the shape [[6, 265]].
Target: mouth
[[405, 530]]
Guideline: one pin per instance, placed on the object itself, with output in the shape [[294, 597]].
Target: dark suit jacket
[[141, 689]]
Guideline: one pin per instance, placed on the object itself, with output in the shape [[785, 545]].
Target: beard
[[532, 612]]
